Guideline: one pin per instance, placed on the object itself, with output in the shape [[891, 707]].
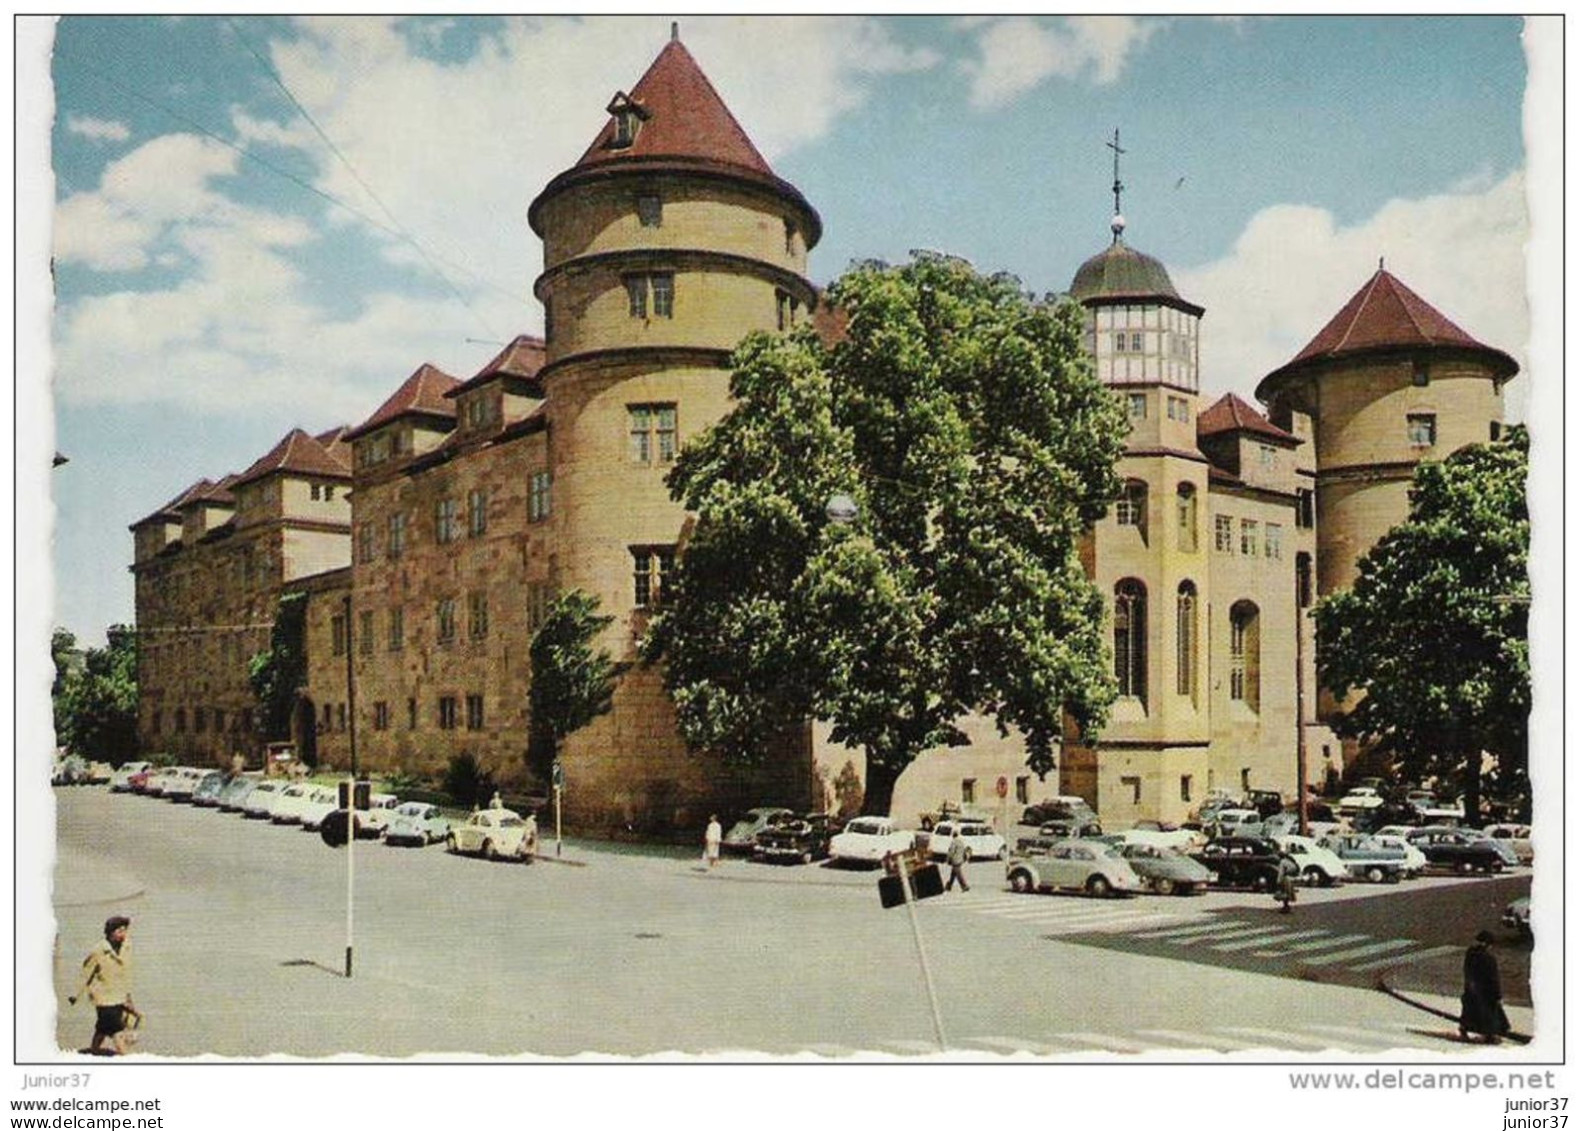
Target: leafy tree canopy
[[1434, 632], [571, 683], [966, 424], [97, 706]]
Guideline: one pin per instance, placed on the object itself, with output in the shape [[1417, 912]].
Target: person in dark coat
[[1482, 1011]]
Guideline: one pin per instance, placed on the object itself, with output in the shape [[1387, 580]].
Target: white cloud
[[1019, 53], [97, 129], [1294, 266]]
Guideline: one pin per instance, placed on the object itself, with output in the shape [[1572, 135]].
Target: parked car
[[1070, 813], [1517, 916], [416, 822], [1237, 822], [495, 834], [1414, 860], [1463, 851], [182, 784], [287, 810], [138, 782], [796, 842], [98, 773], [1366, 858], [742, 835], [981, 842], [121, 779], [375, 819], [261, 800], [156, 781], [1164, 870], [1267, 802], [1360, 797], [1318, 864], [1242, 861], [206, 794], [1517, 838], [1086, 865], [1161, 834], [318, 803], [69, 769], [234, 795]]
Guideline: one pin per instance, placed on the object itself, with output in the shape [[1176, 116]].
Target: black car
[[1462, 852], [797, 841], [1064, 819], [1242, 861]]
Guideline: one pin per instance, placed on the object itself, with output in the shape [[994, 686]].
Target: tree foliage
[[571, 683], [279, 673], [965, 422], [63, 651], [1434, 632], [97, 706]]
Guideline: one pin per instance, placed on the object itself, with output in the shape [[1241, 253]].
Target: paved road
[[239, 931]]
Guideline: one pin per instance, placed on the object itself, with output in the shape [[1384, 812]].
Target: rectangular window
[[1130, 507], [967, 791], [411, 714], [1137, 406], [337, 634], [444, 515], [1022, 790], [397, 535], [313, 492], [1249, 537], [649, 209], [636, 292], [539, 595], [1268, 456], [477, 615], [658, 285], [654, 432], [365, 642], [1422, 375], [476, 512], [1120, 342], [447, 712], [1136, 342], [1422, 429], [1184, 787], [397, 629], [474, 712], [789, 310], [328, 492], [1305, 509], [445, 618], [652, 567], [1223, 526], [538, 500], [1274, 540], [364, 542], [1178, 409], [381, 715], [1131, 783], [663, 296], [789, 237]]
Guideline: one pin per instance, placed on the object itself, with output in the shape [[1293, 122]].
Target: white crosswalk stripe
[[1309, 947], [1370, 951], [1075, 915], [1247, 944], [1414, 956]]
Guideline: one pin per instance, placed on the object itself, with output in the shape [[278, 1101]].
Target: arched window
[[1185, 640], [1244, 654], [1129, 638], [1186, 517], [1130, 508]]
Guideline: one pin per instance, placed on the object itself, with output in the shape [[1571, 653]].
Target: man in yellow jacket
[[107, 980]]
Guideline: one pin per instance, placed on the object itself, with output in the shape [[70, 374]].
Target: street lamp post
[[350, 816]]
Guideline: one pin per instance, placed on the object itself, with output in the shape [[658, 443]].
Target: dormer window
[[628, 117], [649, 209]]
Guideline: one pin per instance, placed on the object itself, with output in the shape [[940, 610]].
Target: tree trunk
[[880, 779], [1472, 789]]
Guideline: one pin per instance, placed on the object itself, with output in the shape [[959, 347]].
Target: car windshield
[[511, 823], [867, 828]]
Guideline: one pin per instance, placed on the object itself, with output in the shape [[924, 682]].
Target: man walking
[[107, 979], [1482, 998], [957, 855], [712, 840]]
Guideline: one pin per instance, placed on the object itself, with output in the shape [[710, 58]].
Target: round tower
[[1389, 382], [664, 245]]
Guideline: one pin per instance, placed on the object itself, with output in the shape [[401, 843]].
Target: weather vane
[[1118, 188]]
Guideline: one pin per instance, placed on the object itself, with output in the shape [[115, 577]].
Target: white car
[[497, 834], [416, 822], [120, 780], [866, 840], [1317, 865], [1414, 859], [1086, 865], [1517, 837], [1238, 822], [981, 843], [318, 803], [288, 809], [261, 801], [381, 807], [1360, 797], [1182, 839]]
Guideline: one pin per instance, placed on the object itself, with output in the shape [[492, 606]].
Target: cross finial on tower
[[1118, 188], [1381, 263], [674, 30]]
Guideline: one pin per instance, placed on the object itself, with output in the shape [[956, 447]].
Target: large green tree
[[965, 423], [279, 673], [63, 650], [98, 704], [572, 683], [1432, 639]]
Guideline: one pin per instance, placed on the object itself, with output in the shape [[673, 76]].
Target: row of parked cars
[[282, 801]]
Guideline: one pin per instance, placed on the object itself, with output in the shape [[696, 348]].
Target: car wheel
[[805, 857], [489, 851], [450, 844], [1374, 874], [1314, 876], [1465, 867], [1020, 881], [1494, 867], [1262, 881], [1162, 885], [1099, 886]]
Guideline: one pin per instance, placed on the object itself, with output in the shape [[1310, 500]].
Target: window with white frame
[[1137, 406], [1249, 537], [445, 512], [652, 567], [1274, 540], [476, 512], [1422, 429], [1130, 507], [653, 432], [444, 620], [477, 615], [397, 535], [1223, 533], [538, 499]]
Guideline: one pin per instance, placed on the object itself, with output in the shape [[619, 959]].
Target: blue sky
[[210, 294]]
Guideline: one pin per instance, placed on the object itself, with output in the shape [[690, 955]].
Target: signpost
[[559, 788], [917, 878]]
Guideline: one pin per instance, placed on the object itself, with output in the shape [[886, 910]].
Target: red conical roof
[[1386, 315], [681, 116], [421, 394]]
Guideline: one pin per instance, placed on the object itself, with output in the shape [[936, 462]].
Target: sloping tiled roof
[[171, 511], [521, 358], [1233, 414], [334, 443], [215, 493], [1386, 315], [681, 116], [297, 454], [421, 394]]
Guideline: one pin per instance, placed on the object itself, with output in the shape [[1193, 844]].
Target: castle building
[[430, 538]]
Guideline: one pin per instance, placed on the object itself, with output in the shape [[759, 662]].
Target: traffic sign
[[558, 775], [333, 828]]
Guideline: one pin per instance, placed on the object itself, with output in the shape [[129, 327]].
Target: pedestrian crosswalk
[[1303, 1039], [1158, 924]]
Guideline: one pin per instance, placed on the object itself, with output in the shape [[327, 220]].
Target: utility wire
[[268, 69], [278, 170]]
